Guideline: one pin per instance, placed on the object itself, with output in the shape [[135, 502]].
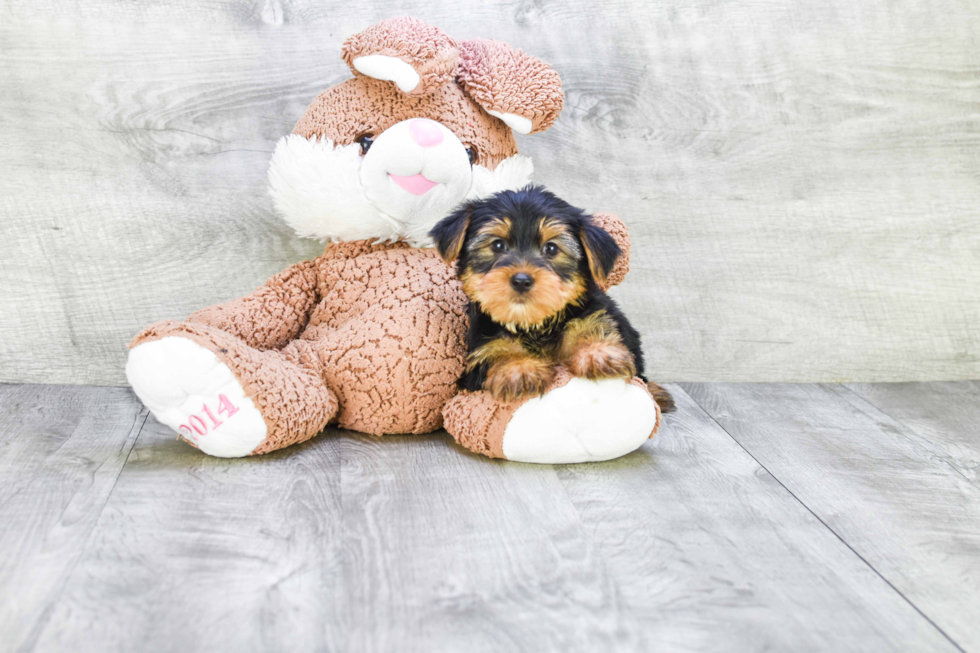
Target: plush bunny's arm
[[271, 316], [617, 229]]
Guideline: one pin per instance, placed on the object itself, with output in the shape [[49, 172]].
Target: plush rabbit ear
[[417, 57], [522, 91]]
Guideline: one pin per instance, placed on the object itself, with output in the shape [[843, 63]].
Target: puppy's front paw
[[601, 359], [516, 379]]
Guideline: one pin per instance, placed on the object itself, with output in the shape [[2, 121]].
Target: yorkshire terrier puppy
[[531, 265]]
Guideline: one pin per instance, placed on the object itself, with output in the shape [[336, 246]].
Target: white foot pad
[[187, 388], [582, 421]]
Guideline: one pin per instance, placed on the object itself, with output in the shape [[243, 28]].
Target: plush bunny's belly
[[389, 339]]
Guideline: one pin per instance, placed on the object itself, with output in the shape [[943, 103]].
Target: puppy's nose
[[425, 132], [522, 282]]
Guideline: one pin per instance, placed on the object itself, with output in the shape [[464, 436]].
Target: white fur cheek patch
[[443, 162], [510, 174], [316, 189]]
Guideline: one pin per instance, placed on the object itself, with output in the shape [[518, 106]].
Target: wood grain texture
[[801, 179], [345, 543], [194, 553], [944, 418], [61, 452], [115, 536], [713, 554], [448, 551], [911, 515]]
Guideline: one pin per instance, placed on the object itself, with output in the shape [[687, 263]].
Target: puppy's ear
[[449, 234], [600, 249]]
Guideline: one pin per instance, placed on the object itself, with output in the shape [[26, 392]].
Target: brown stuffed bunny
[[370, 335]]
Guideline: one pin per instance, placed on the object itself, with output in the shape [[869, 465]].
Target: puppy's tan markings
[[662, 397], [479, 243], [513, 373], [549, 295], [551, 229], [518, 379], [592, 348], [500, 228]]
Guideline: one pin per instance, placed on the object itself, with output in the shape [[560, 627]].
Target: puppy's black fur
[[525, 221]]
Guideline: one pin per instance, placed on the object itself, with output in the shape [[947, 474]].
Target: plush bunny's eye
[[365, 141], [471, 153]]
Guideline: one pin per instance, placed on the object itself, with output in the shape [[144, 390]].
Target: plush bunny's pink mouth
[[416, 184]]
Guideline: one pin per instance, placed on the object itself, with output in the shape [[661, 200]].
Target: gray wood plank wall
[[802, 180]]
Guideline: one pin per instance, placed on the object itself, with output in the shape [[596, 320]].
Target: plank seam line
[[600, 564], [907, 432], [31, 642], [835, 533], [60, 447]]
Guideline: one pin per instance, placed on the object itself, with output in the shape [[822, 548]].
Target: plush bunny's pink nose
[[425, 132]]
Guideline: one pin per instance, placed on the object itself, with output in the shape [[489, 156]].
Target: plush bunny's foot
[[576, 421], [187, 388], [583, 421], [225, 397]]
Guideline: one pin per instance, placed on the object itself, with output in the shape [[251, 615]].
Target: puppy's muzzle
[[521, 282]]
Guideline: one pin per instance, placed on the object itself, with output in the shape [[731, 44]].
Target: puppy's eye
[[365, 141], [498, 245], [550, 249], [471, 153]]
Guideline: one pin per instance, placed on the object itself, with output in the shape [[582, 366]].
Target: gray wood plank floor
[[763, 517]]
